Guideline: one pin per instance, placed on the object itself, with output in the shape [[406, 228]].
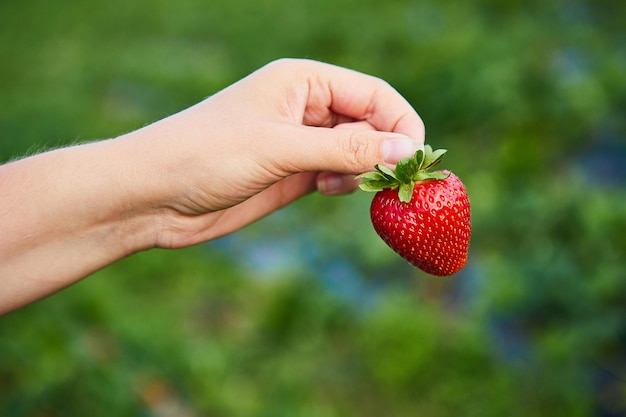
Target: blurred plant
[[529, 95]]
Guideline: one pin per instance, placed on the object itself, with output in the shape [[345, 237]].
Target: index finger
[[343, 93]]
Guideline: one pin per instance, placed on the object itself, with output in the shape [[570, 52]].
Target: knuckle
[[285, 64], [356, 151]]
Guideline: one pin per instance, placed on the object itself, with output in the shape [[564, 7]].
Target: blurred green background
[[307, 313]]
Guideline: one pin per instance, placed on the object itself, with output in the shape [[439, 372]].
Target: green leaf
[[372, 186], [406, 170], [371, 176], [375, 186], [386, 172], [433, 158], [436, 175], [405, 192], [419, 158]]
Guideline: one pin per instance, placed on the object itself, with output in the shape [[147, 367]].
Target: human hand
[[290, 128]]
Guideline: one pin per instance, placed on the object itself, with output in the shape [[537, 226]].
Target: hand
[[290, 128]]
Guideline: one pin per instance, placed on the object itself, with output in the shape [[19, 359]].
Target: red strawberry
[[423, 216]]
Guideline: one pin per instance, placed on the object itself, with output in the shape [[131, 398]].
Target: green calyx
[[408, 171]]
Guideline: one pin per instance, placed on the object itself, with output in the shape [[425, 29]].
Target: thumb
[[350, 151]]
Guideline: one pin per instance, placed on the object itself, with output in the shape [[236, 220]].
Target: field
[[307, 312]]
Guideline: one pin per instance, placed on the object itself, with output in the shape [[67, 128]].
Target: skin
[[286, 130]]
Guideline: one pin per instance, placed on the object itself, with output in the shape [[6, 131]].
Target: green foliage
[[406, 173], [321, 319]]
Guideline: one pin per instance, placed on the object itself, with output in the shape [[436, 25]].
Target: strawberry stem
[[408, 171]]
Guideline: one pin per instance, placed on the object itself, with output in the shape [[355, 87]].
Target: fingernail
[[336, 184], [397, 148], [329, 185]]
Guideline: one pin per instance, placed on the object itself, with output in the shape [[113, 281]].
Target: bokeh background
[[307, 312]]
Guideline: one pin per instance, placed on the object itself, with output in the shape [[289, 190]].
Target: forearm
[[66, 214]]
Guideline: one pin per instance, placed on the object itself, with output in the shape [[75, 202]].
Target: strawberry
[[423, 216]]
